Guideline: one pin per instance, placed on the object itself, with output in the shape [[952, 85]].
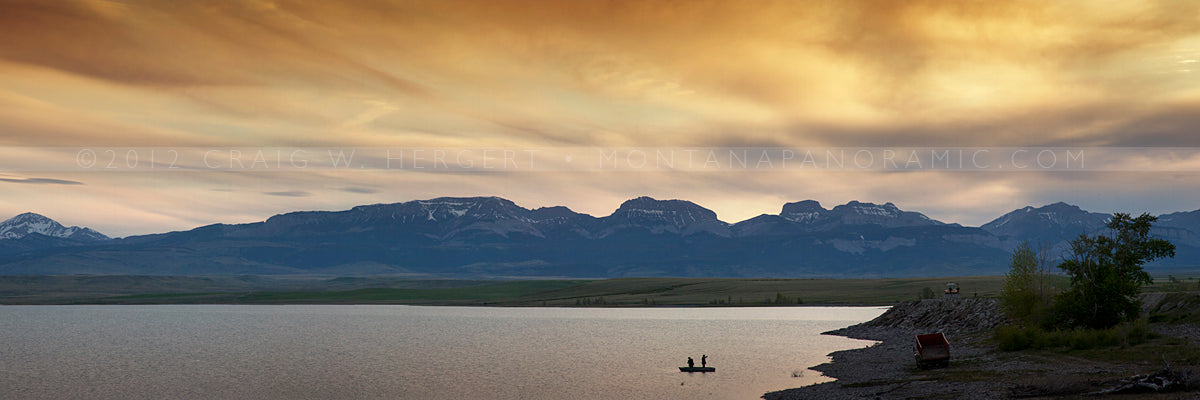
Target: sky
[[246, 99]]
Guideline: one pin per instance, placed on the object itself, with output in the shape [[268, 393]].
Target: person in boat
[[691, 363], [704, 360]]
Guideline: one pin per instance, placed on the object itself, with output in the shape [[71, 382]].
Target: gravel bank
[[886, 370]]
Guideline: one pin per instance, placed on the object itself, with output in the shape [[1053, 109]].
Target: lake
[[411, 352]]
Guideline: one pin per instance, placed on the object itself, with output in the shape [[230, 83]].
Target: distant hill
[[491, 237]]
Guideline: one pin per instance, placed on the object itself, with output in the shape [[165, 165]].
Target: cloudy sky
[[86, 84]]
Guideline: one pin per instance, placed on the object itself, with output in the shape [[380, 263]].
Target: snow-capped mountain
[[1181, 228], [804, 212], [1187, 220], [460, 217], [886, 215], [1050, 224], [26, 224], [658, 216], [494, 237], [441, 218], [810, 216]]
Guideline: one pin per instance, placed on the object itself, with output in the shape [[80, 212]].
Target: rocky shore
[[886, 370]]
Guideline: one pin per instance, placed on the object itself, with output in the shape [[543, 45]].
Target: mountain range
[[492, 237]]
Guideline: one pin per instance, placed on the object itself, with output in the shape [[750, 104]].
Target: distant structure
[[951, 290]]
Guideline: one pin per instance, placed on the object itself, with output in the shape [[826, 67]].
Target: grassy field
[[565, 293], [609, 292], [752, 292], [46, 289]]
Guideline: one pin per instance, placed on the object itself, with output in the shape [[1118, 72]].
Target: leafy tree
[[1024, 295], [927, 293], [1106, 272]]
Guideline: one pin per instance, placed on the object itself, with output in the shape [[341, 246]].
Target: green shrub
[[1015, 338], [1087, 339], [1137, 333]]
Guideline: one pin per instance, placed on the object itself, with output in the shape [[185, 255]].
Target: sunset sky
[[565, 76]]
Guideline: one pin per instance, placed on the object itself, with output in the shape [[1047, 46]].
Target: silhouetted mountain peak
[[659, 216], [444, 209], [679, 211], [856, 207], [555, 212], [1050, 223], [475, 207], [885, 215], [802, 211], [1060, 207], [559, 216], [1190, 219], [493, 237]]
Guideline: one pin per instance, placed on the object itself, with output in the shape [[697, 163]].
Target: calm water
[[405, 352]]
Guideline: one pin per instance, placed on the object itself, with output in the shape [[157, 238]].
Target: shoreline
[[886, 368], [978, 370]]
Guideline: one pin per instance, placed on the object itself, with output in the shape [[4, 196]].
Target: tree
[[927, 293], [1106, 272], [1024, 295], [1175, 285]]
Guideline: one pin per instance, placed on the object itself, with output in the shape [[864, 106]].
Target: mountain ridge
[[495, 237], [28, 223]]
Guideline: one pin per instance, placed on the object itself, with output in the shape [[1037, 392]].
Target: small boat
[[697, 369]]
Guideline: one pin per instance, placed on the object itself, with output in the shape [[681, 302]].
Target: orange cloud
[[548, 73], [612, 72]]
